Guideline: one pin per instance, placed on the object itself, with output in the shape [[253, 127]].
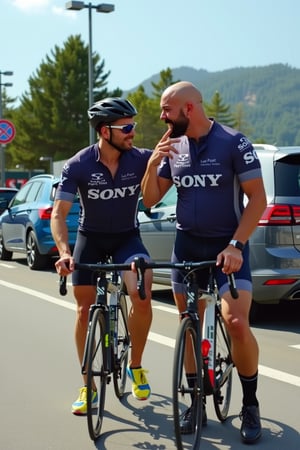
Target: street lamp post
[[7, 73], [102, 8], [50, 159]]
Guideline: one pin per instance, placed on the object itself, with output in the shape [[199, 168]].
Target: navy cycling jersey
[[108, 204], [208, 176]]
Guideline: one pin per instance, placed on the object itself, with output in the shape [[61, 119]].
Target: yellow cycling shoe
[[79, 407], [140, 387]]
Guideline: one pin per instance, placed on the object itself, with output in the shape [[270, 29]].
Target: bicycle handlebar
[[141, 265]]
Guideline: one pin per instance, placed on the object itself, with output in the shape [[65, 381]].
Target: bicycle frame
[[110, 319]]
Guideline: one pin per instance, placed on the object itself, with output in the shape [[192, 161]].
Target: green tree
[[150, 128], [240, 122], [52, 119], [219, 110], [166, 79]]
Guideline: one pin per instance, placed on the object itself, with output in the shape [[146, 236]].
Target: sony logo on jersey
[[197, 180], [244, 143], [250, 157], [107, 194]]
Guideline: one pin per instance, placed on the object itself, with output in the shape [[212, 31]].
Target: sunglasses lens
[[128, 128]]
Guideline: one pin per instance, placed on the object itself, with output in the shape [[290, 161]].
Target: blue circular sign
[[7, 131]]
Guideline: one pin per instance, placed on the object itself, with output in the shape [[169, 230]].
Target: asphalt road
[[40, 376]]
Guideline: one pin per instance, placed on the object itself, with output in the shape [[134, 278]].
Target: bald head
[[182, 110], [183, 91]]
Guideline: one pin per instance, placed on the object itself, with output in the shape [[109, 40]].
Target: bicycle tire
[[120, 359], [223, 369], [96, 364], [181, 390]]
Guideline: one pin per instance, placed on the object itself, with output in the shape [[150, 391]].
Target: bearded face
[[179, 125]]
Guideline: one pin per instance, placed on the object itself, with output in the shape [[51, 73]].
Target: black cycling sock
[[249, 386]]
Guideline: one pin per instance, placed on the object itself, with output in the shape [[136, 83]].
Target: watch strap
[[237, 244]]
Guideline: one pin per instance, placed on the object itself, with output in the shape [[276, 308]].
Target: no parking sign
[[7, 131]]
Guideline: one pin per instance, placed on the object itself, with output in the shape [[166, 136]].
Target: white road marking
[[155, 337], [39, 295], [7, 266], [295, 346], [166, 309]]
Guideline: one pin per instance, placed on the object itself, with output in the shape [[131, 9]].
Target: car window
[[287, 176], [21, 195], [6, 195], [34, 191]]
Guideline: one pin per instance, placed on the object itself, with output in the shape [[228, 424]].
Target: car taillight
[[280, 215], [45, 213], [280, 281]]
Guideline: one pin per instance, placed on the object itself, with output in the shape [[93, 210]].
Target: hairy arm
[[59, 231], [231, 257]]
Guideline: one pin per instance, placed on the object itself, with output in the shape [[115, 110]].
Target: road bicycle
[[107, 342], [208, 344]]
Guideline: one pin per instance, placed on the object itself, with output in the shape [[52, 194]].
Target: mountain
[[270, 96]]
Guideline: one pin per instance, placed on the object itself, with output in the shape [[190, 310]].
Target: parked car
[[25, 224], [274, 245], [6, 194]]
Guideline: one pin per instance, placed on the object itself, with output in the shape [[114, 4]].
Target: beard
[[179, 126], [120, 148]]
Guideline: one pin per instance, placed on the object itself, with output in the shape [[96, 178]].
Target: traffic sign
[[7, 131]]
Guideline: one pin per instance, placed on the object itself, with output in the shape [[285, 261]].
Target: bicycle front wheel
[[96, 364], [187, 394], [121, 348], [223, 369]]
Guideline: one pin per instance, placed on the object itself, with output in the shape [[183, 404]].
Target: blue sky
[[143, 37]]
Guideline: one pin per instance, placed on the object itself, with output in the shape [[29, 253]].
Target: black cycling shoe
[[187, 422], [251, 426]]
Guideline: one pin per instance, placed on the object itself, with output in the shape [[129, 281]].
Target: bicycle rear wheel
[[96, 373], [223, 369], [182, 392], [121, 358]]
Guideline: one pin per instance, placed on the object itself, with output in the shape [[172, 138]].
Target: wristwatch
[[237, 244]]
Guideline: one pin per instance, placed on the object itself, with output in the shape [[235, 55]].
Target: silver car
[[275, 244]]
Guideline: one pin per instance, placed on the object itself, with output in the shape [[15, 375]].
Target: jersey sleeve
[[246, 162], [68, 185], [164, 169]]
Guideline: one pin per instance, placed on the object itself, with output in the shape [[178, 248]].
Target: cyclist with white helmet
[[107, 177]]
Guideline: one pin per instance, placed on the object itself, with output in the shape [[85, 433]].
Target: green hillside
[[270, 96]]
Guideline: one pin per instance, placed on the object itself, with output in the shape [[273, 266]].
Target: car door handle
[[171, 218]]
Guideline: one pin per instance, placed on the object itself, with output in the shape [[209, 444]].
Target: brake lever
[[139, 264], [63, 285], [232, 286]]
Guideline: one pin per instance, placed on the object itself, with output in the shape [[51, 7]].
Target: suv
[[6, 194], [274, 245], [25, 224]]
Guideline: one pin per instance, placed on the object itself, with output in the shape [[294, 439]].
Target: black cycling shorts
[[188, 247], [93, 248]]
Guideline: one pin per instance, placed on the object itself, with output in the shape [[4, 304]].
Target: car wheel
[[5, 255], [35, 260]]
